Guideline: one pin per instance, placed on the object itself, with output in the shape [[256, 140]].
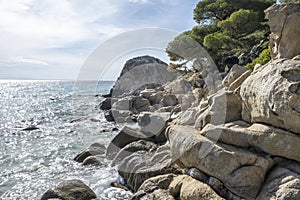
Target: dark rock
[[70, 190], [169, 100], [140, 104], [197, 174], [156, 97], [30, 128], [93, 150], [229, 61], [109, 116], [246, 58], [109, 94], [106, 104]]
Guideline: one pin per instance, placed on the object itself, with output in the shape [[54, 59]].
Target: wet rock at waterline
[[71, 190], [94, 154]]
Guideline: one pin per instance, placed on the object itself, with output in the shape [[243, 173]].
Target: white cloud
[[63, 32], [139, 1], [31, 61]]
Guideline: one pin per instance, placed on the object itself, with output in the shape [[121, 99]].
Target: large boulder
[[143, 164], [282, 183], [139, 73], [285, 34], [138, 61], [71, 190], [241, 171], [274, 141], [271, 95]]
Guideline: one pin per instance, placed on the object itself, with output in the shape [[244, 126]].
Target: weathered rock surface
[[271, 95], [140, 145], [243, 173], [145, 74], [235, 72], [282, 183], [137, 61], [188, 117], [71, 190], [169, 100], [143, 164], [153, 124], [223, 107], [179, 86], [261, 137], [285, 34], [175, 186]]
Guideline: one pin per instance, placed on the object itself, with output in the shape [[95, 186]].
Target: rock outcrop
[[243, 172], [285, 32], [271, 95]]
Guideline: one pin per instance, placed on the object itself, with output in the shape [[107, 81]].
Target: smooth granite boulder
[[241, 171]]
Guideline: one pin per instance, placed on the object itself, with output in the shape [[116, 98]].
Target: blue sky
[[51, 39]]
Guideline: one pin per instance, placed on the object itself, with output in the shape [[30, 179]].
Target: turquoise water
[[67, 119]]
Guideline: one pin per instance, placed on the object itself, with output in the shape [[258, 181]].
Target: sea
[[67, 119]]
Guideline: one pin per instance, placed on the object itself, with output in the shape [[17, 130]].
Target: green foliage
[[263, 58], [226, 27], [290, 1], [240, 22], [210, 10]]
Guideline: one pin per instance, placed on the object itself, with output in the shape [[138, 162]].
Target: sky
[[52, 39]]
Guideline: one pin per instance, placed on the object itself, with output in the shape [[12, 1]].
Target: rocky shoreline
[[204, 136]]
